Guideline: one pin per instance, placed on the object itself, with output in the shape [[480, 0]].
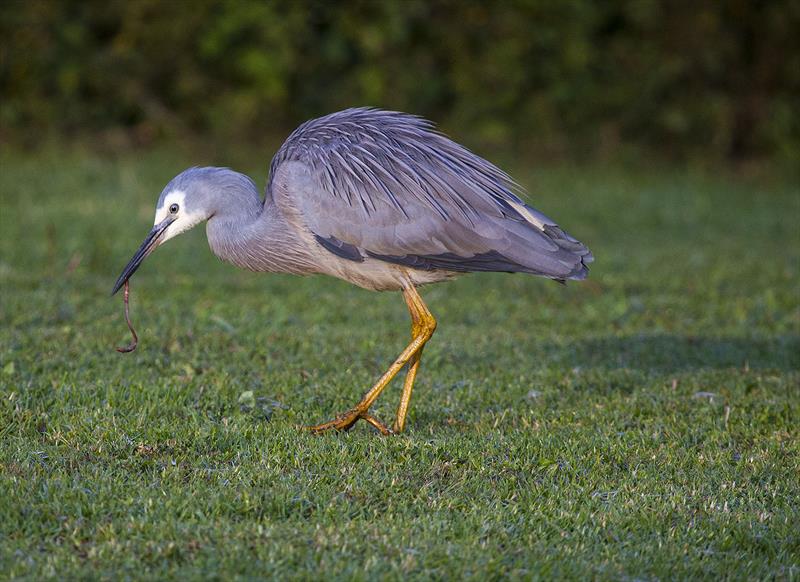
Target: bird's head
[[190, 198]]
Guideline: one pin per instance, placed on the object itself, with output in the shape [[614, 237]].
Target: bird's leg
[[423, 330], [422, 323]]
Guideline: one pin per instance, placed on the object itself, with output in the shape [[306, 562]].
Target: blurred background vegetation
[[574, 77]]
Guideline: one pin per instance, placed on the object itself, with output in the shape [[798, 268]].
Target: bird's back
[[384, 186]]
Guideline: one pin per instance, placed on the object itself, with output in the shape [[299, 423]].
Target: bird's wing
[[386, 185]]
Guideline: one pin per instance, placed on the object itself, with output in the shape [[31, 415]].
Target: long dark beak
[[148, 246]]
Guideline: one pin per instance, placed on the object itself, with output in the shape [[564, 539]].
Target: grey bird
[[377, 198]]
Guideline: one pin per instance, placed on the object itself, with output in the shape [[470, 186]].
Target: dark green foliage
[[640, 425], [682, 77]]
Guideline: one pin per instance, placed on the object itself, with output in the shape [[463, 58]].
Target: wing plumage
[[386, 185]]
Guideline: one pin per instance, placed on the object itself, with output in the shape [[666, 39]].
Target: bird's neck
[[254, 235]]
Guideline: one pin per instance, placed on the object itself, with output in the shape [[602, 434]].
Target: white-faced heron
[[379, 199]]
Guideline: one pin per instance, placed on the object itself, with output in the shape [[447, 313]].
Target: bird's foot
[[345, 422]]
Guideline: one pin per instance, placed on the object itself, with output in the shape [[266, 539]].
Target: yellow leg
[[422, 322], [422, 326]]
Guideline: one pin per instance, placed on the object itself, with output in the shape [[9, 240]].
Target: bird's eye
[[173, 209]]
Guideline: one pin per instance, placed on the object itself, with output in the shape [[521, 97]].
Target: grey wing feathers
[[386, 185]]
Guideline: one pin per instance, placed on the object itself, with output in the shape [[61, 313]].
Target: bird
[[380, 199]]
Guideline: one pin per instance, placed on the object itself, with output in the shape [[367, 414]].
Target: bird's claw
[[345, 422], [378, 425]]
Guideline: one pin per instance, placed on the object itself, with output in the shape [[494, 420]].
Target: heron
[[380, 199]]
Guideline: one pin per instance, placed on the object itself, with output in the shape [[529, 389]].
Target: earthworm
[[133, 344]]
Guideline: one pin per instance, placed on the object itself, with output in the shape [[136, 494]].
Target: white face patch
[[183, 220]]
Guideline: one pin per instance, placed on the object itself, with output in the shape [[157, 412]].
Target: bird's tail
[[573, 246]]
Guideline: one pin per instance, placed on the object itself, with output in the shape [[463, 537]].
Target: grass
[[640, 425]]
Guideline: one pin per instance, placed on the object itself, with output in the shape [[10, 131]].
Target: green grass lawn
[[640, 425]]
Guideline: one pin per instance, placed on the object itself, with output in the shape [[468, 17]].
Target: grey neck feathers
[[254, 235]]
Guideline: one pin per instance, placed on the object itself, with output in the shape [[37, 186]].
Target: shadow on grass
[[669, 353]]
